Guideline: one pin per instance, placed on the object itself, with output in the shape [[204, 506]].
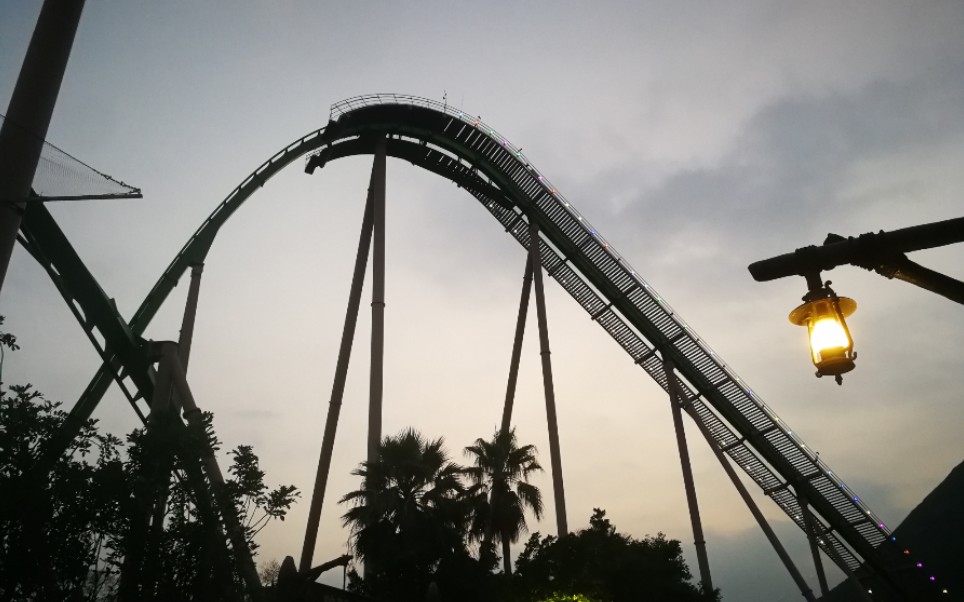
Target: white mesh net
[[62, 177]]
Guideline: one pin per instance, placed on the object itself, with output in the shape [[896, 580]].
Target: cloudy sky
[[697, 137]]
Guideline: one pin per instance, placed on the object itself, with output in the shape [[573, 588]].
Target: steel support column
[[814, 548], [378, 302], [748, 500], [28, 114], [808, 516], [688, 484], [558, 489], [190, 313], [338, 387], [520, 328]]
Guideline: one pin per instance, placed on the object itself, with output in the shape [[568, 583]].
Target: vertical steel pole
[[861, 592], [378, 303], [748, 500], [688, 483], [558, 489], [338, 387], [28, 115], [190, 313], [814, 549], [520, 328]]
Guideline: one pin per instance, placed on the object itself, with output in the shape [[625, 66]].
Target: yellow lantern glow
[[831, 346]]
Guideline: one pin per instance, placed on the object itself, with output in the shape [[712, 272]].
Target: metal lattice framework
[[468, 152]]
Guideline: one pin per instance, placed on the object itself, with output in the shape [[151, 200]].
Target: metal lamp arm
[[882, 252]]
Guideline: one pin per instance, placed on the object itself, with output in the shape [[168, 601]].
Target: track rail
[[467, 151], [614, 294]]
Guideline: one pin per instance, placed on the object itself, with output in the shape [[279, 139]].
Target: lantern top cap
[[802, 314]]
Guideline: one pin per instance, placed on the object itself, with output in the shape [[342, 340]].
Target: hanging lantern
[[831, 346]]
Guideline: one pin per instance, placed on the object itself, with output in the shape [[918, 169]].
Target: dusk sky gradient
[[697, 137]]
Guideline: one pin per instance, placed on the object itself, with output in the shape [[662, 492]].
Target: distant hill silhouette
[[934, 534]]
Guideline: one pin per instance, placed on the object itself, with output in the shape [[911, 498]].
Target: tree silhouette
[[407, 516], [500, 492], [66, 535], [601, 564]]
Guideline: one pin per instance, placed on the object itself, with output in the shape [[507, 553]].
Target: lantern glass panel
[[827, 334]]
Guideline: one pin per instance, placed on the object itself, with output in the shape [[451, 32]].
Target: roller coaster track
[[468, 152]]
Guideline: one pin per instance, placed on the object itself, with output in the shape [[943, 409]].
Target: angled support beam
[[192, 414], [520, 328], [684, 455], [338, 387], [814, 548], [904, 269], [558, 488], [748, 500], [811, 532], [122, 349]]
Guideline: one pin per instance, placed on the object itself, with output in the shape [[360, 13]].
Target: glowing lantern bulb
[[826, 333], [831, 346]]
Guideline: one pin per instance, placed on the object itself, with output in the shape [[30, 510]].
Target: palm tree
[[409, 512], [501, 491]]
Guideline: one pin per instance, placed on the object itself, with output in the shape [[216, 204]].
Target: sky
[[696, 137]]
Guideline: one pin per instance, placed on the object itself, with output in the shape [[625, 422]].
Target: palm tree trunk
[[506, 560]]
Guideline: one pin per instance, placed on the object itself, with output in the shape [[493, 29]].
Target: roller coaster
[[744, 431]]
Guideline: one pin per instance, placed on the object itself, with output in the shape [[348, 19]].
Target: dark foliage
[[407, 518], [412, 520], [605, 566], [68, 534], [56, 533], [500, 493]]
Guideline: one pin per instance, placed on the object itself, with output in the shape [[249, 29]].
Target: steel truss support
[[558, 489], [123, 354], [747, 499], [520, 328], [338, 387], [684, 455]]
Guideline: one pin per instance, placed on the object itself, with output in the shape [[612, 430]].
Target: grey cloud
[[794, 154]]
